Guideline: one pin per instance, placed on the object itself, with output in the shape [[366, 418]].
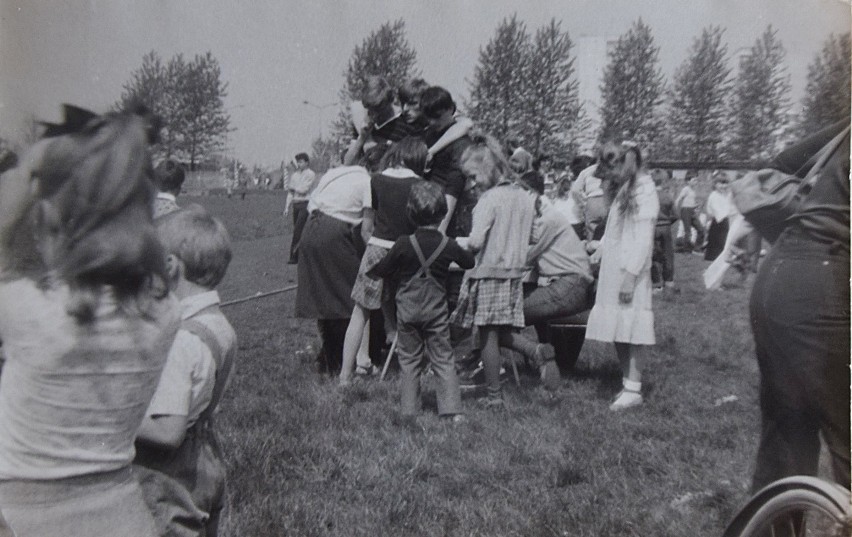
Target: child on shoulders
[[179, 461], [419, 263]]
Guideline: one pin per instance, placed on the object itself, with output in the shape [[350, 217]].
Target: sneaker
[[544, 352], [367, 371], [626, 399]]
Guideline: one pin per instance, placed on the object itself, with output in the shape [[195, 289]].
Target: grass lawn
[[306, 459]]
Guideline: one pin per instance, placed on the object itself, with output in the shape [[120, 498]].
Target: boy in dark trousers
[[179, 461], [419, 264]]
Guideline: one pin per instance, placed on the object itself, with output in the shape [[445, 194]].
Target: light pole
[[320, 108]]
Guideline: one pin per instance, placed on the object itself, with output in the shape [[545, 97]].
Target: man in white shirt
[[298, 191]]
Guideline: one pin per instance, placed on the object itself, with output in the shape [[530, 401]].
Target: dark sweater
[[401, 262]]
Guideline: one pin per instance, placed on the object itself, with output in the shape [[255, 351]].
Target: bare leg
[[352, 342], [490, 337], [631, 394]]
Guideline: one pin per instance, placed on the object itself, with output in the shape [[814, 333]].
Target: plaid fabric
[[368, 292], [490, 302]]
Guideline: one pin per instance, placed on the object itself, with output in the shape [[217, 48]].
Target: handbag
[[767, 198]]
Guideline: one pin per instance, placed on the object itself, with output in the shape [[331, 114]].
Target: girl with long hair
[[86, 322]]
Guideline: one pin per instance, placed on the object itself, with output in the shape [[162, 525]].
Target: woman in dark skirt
[[330, 253]]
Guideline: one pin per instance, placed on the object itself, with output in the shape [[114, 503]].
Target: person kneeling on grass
[[420, 263], [178, 456]]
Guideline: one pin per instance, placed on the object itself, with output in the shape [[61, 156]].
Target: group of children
[[474, 210], [112, 337]]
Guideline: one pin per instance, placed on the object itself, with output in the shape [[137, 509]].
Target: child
[[86, 322], [178, 456], [403, 167], [420, 262], [491, 295], [686, 204], [169, 178], [622, 313]]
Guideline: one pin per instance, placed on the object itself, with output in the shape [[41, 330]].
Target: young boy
[[169, 176], [178, 458], [419, 264]]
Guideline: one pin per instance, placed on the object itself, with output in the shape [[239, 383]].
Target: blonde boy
[[178, 458]]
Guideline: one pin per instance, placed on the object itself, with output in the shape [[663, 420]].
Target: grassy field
[[308, 460]]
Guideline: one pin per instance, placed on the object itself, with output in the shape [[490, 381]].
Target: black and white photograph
[[424, 268]]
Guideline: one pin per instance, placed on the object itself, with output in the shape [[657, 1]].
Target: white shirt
[[719, 205], [343, 193]]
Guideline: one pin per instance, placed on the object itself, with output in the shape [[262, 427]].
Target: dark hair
[[410, 152], [544, 157], [169, 176], [580, 163], [426, 205], [93, 212], [534, 180], [411, 90], [435, 100], [303, 156]]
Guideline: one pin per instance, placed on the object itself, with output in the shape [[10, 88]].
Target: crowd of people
[[427, 237]]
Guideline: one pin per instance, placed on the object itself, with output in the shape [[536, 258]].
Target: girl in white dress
[[622, 313]]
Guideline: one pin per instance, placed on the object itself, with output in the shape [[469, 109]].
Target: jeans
[[565, 296], [800, 318], [421, 341]]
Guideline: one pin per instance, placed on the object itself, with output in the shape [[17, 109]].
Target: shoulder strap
[[426, 263], [224, 360]]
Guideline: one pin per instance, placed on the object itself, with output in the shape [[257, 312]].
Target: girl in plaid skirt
[[491, 297]]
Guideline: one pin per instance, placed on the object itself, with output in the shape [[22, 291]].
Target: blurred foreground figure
[[86, 321], [800, 317]]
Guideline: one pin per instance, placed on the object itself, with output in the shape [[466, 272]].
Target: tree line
[[525, 85]]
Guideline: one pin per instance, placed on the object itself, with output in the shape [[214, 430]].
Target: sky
[[275, 55]]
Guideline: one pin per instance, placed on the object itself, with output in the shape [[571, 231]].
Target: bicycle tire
[[781, 508]]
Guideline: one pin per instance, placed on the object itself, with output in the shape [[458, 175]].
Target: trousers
[[799, 312]]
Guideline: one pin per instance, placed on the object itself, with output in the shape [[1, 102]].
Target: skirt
[[330, 253], [368, 292], [490, 302]]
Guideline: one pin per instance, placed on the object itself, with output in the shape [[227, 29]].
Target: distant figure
[[719, 208], [298, 192], [662, 270], [169, 177], [686, 204]]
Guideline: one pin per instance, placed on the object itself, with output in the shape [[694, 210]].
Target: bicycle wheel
[[800, 512]]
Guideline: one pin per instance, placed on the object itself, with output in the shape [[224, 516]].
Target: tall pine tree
[[698, 101], [499, 80], [552, 110], [760, 100], [386, 52], [828, 90], [632, 89]]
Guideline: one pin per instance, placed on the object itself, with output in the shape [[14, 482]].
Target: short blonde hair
[[485, 153], [200, 241]]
